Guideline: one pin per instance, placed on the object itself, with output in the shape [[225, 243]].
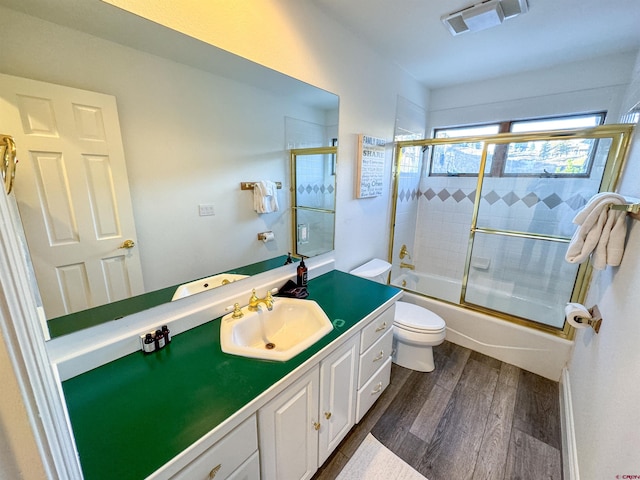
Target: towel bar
[[633, 209], [250, 185], [629, 207]]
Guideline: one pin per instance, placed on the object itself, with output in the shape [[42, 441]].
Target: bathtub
[[499, 296], [532, 350]]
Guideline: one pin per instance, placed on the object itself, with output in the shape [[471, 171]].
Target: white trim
[[21, 329], [569, 447]]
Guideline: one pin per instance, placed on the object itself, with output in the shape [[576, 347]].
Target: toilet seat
[[417, 319]]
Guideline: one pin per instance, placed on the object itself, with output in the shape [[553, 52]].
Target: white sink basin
[[205, 284], [280, 334]]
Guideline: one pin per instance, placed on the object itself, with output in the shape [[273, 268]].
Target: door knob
[[127, 244], [316, 425], [327, 415]]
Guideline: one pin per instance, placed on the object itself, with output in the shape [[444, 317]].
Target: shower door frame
[[620, 135]]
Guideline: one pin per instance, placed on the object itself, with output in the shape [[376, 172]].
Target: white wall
[[604, 372]]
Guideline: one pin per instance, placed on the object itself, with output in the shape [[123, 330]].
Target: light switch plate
[[206, 209]]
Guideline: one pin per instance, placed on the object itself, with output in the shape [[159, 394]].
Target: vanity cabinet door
[[288, 431], [338, 373]]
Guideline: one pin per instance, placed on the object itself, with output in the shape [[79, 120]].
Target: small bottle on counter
[[301, 277], [159, 338], [167, 334], [148, 344], [289, 259]]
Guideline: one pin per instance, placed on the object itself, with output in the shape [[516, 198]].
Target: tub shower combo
[[491, 243]]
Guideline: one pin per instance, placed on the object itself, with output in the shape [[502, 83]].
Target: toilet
[[416, 330]]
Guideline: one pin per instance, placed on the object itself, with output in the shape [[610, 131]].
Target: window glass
[[461, 158], [570, 157], [562, 157]]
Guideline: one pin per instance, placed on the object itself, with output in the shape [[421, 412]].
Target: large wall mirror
[[194, 123]]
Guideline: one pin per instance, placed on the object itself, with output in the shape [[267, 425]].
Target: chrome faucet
[[254, 301]]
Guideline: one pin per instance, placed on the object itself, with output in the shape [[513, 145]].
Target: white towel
[[601, 232], [265, 197]]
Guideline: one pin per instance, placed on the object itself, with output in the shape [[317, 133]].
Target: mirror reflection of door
[[314, 197], [73, 194]]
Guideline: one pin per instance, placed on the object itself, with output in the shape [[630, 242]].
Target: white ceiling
[[410, 33]]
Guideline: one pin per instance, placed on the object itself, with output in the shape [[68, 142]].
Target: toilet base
[[413, 357]]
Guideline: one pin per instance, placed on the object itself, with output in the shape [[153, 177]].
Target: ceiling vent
[[484, 15]]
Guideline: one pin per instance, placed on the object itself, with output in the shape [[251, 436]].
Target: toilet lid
[[415, 317]]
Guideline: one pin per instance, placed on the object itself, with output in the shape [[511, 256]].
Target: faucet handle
[[237, 311]]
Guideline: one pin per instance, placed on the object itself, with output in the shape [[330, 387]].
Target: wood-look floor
[[473, 418]]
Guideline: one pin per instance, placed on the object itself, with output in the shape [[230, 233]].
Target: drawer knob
[[214, 471], [316, 426], [377, 389], [380, 356], [381, 327], [327, 415]]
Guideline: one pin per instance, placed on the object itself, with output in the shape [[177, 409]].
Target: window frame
[[499, 157]]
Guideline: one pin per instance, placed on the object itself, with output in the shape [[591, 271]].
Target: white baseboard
[[569, 447]]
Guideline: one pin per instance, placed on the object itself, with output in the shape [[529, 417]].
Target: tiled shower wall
[[439, 211]]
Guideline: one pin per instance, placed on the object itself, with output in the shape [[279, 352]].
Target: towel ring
[[9, 162]]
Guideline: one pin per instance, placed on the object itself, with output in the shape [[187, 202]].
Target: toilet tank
[[375, 270]]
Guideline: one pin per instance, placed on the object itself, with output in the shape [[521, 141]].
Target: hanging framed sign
[[369, 166]]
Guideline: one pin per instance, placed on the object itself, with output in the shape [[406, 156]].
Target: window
[[554, 158]]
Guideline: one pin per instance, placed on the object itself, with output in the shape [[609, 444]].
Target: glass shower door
[[523, 223], [313, 173]]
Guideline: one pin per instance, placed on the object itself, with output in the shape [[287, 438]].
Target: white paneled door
[[73, 193]]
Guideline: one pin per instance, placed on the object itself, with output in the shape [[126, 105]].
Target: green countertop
[[134, 414]]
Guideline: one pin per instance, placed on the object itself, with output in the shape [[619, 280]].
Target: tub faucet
[[407, 265], [254, 301], [404, 252]]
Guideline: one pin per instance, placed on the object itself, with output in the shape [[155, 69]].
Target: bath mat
[[373, 461]]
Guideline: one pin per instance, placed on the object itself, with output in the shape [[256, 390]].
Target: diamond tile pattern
[[459, 195], [492, 197], [443, 194], [552, 201], [576, 202], [510, 198], [530, 199], [315, 189]]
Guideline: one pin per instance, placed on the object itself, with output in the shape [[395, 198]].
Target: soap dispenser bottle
[[301, 278]]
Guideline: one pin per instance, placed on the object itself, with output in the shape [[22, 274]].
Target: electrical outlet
[[206, 209]]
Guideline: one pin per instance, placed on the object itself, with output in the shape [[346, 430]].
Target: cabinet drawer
[[223, 458], [374, 358], [378, 327], [249, 470], [372, 390]]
